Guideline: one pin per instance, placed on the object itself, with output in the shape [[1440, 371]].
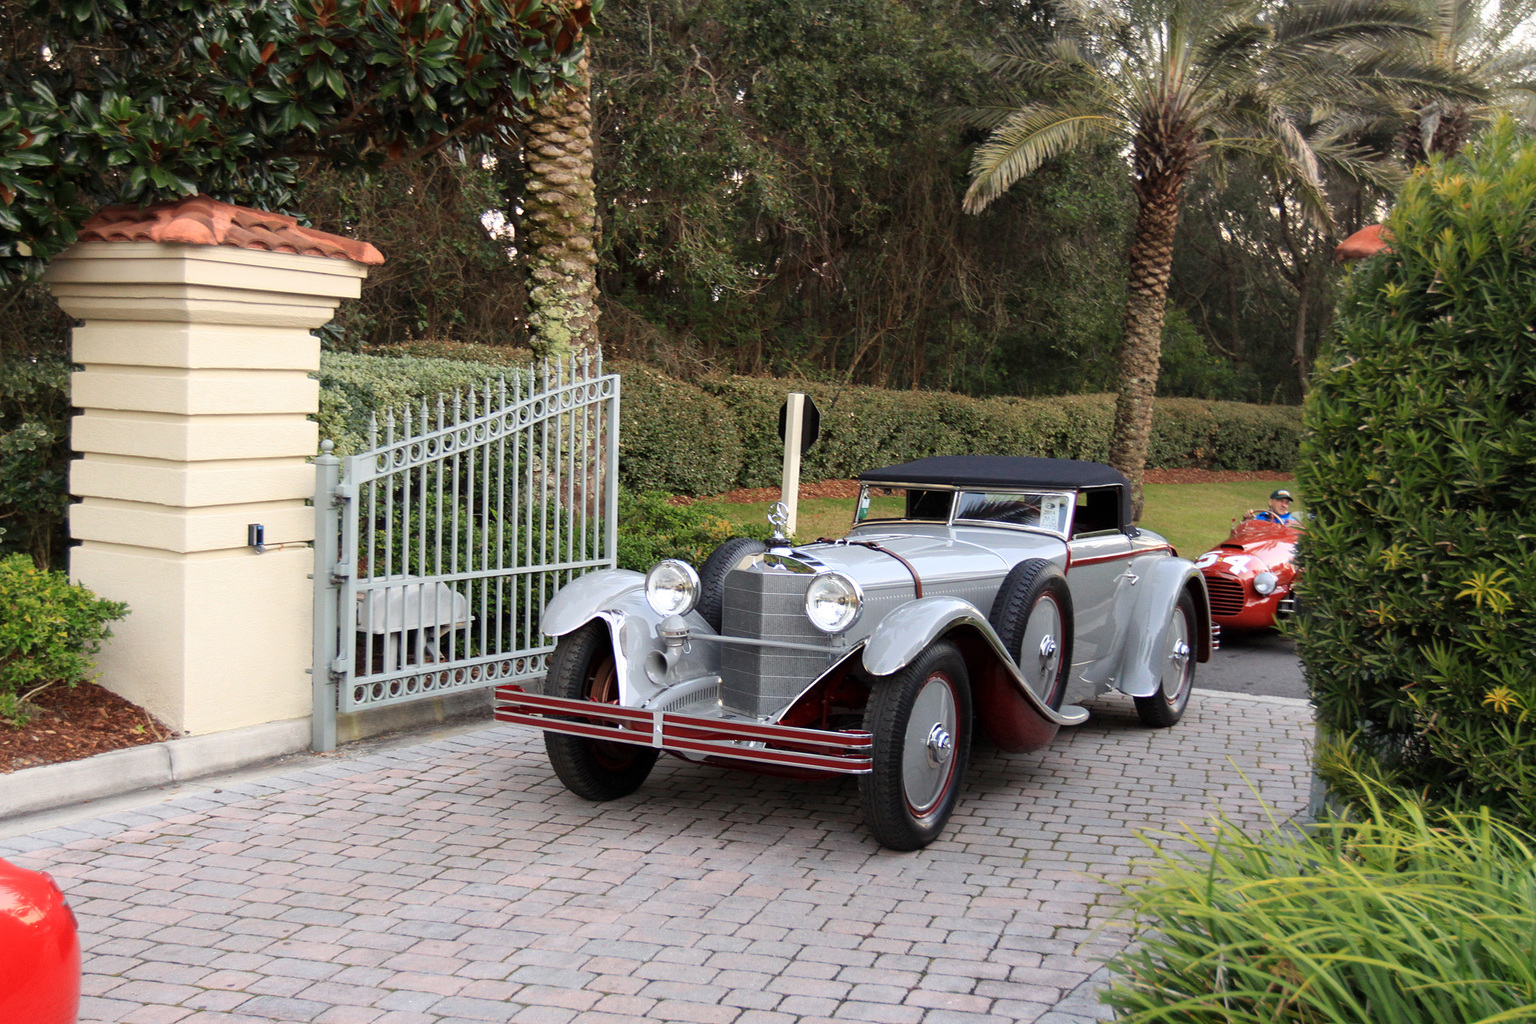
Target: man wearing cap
[[1279, 510]]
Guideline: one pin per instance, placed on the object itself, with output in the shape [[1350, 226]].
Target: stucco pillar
[[193, 424]]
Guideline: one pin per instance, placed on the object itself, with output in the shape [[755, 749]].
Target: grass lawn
[[1197, 517], [1194, 517]]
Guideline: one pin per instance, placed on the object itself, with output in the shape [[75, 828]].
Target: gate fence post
[[194, 440], [327, 554], [611, 481]]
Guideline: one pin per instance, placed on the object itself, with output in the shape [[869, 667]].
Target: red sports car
[[1251, 576], [39, 950]]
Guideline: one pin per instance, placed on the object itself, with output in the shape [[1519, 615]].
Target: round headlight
[[672, 587], [1265, 582], [833, 602]]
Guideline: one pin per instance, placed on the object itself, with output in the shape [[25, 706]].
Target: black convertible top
[[998, 471], [1010, 472]]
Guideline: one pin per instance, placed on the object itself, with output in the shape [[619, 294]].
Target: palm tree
[[1174, 82], [560, 221], [1486, 43]]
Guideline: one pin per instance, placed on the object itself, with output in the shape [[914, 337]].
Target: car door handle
[[1129, 576]]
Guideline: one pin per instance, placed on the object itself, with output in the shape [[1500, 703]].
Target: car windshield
[[1043, 510], [904, 503]]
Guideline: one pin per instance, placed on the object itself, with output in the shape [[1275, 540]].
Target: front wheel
[[920, 719], [1177, 678], [582, 668]]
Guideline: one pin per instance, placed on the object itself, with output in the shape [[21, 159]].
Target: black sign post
[[810, 422]]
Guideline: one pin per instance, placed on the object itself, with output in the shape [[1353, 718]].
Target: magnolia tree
[[141, 100]]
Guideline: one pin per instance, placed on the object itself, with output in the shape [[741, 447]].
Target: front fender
[[1147, 635], [616, 597], [579, 601], [908, 630], [1006, 707]]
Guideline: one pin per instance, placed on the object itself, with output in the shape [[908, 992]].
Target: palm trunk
[[1141, 345], [560, 207], [1304, 288]]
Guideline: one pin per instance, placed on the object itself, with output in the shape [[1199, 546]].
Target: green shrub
[[652, 528], [1421, 551], [355, 388], [673, 437], [1398, 917], [49, 630], [34, 456]]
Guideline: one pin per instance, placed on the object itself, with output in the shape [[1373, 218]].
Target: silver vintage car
[[972, 592]]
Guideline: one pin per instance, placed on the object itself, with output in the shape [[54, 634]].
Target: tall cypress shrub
[[1419, 471]]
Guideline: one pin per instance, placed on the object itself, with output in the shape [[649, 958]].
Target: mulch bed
[[76, 723]]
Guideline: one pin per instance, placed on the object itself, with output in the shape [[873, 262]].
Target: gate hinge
[[338, 670], [340, 573], [341, 494]]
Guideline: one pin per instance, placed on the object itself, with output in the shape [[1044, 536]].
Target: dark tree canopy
[[780, 183], [138, 100]]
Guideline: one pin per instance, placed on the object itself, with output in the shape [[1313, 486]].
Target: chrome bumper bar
[[844, 753]]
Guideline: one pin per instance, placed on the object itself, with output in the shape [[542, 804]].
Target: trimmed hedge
[[866, 427], [353, 388], [715, 434]]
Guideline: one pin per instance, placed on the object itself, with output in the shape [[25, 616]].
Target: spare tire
[[1032, 615], [712, 576]]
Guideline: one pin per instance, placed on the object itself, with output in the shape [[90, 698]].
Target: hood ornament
[[778, 518]]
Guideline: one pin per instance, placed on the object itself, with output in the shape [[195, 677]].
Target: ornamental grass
[[1398, 918]]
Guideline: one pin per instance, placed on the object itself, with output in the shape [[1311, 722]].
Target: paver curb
[[1257, 698], [119, 772]]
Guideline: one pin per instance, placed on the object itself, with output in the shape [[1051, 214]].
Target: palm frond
[[1360, 164], [1511, 18], [1231, 55], [1023, 142], [1316, 27], [1394, 75]]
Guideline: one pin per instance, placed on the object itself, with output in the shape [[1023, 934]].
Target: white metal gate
[[437, 547]]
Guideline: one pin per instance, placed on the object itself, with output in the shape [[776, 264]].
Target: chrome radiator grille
[[1226, 595], [759, 681]]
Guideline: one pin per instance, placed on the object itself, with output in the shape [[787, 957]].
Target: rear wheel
[[1032, 615], [920, 719], [712, 576], [1177, 678], [582, 668]]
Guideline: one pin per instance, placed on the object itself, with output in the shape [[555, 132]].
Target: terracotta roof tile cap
[[201, 220], [1368, 241]]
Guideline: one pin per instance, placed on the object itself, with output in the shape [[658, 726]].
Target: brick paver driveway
[[454, 880]]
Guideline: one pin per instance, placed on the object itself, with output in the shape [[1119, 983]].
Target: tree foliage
[[780, 183], [137, 100], [1421, 556], [445, 277]]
